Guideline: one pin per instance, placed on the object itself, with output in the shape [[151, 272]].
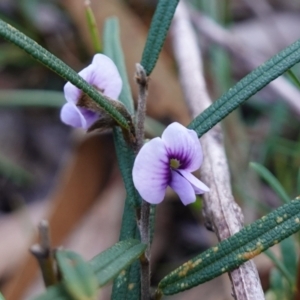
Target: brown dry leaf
[[98, 230], [18, 230], [84, 176]]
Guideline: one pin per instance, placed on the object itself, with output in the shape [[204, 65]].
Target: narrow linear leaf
[[298, 182], [56, 292], [246, 88], [108, 264], [294, 77], [113, 49], [232, 252], [277, 285], [153, 127], [271, 180], [281, 267], [125, 154], [126, 286], [78, 276], [92, 25], [157, 34], [52, 62], [31, 98], [1, 297], [288, 249]]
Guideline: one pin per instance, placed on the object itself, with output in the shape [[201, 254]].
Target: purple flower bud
[[104, 76], [169, 160]]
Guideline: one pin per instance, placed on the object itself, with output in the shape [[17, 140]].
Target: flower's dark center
[[174, 163]]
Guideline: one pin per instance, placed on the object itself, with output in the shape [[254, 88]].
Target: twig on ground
[[220, 208]]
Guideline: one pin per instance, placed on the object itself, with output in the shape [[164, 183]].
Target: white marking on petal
[[183, 188], [198, 186], [184, 145]]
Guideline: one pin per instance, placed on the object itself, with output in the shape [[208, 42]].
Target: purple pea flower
[[104, 76], [169, 160]]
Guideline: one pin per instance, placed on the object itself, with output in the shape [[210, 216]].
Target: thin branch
[[221, 210], [250, 58], [142, 81], [44, 255], [144, 221]]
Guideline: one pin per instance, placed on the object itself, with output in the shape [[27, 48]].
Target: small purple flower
[[104, 76], [169, 160]]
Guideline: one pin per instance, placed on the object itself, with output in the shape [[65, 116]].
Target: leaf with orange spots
[[234, 251]]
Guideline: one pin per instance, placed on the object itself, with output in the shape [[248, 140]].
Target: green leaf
[[293, 77], [246, 88], [281, 267], [289, 255], [271, 180], [298, 182], [232, 252], [113, 49], [277, 286], [125, 154], [126, 287], [78, 276], [56, 292], [52, 62], [1, 297], [153, 127], [108, 264], [157, 34], [92, 26], [31, 98]]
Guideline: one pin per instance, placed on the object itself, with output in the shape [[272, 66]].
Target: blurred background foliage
[[36, 149]]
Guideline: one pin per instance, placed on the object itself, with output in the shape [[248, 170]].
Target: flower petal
[[106, 76], [89, 116], [77, 117], [102, 74], [71, 115], [183, 188], [198, 186], [71, 92], [183, 144], [151, 171]]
